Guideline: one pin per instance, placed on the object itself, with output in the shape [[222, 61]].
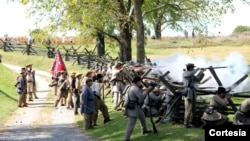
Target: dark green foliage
[[241, 28]]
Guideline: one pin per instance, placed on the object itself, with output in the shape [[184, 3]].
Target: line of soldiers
[[160, 100], [26, 85], [69, 91], [121, 76]]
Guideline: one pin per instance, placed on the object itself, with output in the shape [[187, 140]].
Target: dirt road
[[39, 121]]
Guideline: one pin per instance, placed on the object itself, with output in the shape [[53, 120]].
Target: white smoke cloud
[[236, 63]]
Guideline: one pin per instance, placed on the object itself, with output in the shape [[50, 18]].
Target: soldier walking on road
[[21, 89], [34, 84], [72, 81], [29, 79]]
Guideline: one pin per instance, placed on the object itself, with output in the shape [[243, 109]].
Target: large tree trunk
[[125, 53], [140, 58], [157, 29], [100, 44], [125, 38]]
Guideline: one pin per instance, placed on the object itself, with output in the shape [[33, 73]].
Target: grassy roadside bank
[[8, 93]]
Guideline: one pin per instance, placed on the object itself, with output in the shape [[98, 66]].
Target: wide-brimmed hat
[[73, 73], [29, 65], [79, 74], [162, 88], [156, 89], [119, 64]]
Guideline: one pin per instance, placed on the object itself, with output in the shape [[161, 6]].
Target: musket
[[245, 94], [151, 117], [204, 81], [223, 67]]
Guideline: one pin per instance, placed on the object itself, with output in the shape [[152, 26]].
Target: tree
[[116, 19], [109, 18], [100, 44], [241, 28], [178, 14], [139, 30]]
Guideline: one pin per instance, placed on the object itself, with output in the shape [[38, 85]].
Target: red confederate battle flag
[[58, 64]]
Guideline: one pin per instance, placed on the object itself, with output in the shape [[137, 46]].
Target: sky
[[16, 22]]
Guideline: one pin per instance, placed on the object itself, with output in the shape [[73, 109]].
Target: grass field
[[115, 130]]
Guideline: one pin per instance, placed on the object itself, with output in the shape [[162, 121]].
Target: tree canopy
[[120, 20]]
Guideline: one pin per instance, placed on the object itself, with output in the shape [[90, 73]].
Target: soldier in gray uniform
[[218, 105], [242, 116], [189, 79], [134, 111], [154, 101]]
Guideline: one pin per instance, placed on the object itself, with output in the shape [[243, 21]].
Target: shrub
[[241, 28]]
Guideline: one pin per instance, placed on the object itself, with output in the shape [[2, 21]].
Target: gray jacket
[[135, 94], [189, 79]]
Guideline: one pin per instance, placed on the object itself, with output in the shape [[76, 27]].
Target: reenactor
[[63, 87], [99, 104], [133, 108], [215, 112], [29, 80], [153, 103], [87, 104], [242, 116], [117, 81], [21, 89], [77, 92], [72, 83], [34, 84], [189, 79]]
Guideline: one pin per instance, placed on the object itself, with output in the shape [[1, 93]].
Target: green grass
[[8, 93], [115, 130]]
